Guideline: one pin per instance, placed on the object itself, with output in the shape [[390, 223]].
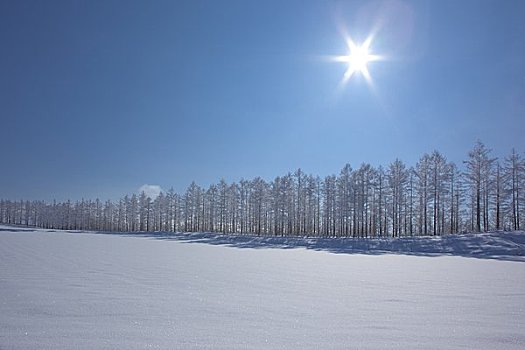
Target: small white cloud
[[152, 191]]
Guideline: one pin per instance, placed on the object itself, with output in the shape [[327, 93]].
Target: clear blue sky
[[100, 97]]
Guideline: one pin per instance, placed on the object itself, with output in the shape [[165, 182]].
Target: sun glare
[[357, 59]]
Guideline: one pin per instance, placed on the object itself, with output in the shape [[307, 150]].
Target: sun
[[357, 59]]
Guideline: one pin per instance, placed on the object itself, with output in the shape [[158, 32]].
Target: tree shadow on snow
[[507, 246], [16, 229]]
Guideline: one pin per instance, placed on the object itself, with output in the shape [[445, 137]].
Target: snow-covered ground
[[71, 290]]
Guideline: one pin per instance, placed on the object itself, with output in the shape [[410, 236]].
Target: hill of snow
[[81, 290]]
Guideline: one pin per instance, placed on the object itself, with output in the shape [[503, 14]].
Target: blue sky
[[98, 98]]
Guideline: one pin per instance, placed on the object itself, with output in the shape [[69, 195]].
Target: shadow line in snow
[[506, 246], [499, 246], [16, 230]]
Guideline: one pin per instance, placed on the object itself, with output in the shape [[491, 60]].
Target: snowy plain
[[85, 290]]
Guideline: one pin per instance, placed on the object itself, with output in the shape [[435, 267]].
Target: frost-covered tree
[[434, 197], [514, 177], [397, 180], [478, 170], [344, 195], [423, 174], [455, 198]]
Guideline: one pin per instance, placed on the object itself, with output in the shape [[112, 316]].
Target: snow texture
[[81, 290]]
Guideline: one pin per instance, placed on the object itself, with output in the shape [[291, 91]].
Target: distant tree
[[423, 174], [498, 195], [381, 201], [397, 179], [171, 213], [479, 166], [514, 175], [432, 198], [258, 203], [440, 176], [329, 200], [455, 198], [344, 195]]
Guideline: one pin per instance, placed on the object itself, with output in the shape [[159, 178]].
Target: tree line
[[434, 197]]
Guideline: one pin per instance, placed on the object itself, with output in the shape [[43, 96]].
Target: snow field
[[61, 290]]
